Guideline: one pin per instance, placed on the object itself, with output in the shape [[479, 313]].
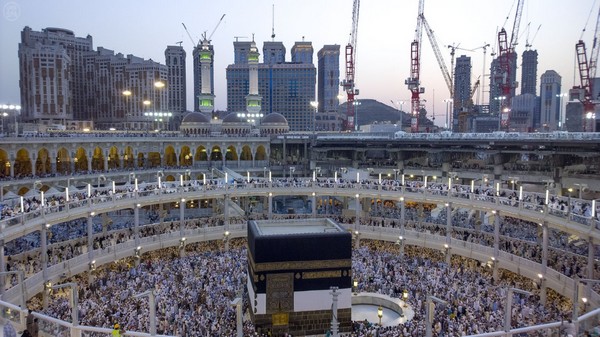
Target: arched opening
[[81, 160], [22, 164], [246, 153], [201, 154], [154, 159], [5, 164], [186, 157], [113, 158], [42, 164], [128, 157], [261, 153], [98, 160], [170, 157], [215, 154], [231, 154]]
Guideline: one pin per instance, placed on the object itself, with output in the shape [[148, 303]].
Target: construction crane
[[179, 43], [587, 71], [438, 55], [213, 31], [194, 44], [348, 83], [413, 82], [506, 50]]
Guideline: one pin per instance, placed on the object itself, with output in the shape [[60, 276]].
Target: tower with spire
[[253, 99], [206, 98]]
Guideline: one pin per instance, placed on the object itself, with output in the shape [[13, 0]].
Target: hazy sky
[[385, 32]]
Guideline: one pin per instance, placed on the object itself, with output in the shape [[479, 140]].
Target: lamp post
[[590, 118], [429, 312], [13, 109], [501, 103], [151, 303], [448, 104], [356, 105], [560, 111], [74, 299], [127, 94], [380, 314], [20, 280], [405, 297], [508, 306], [315, 105], [157, 86], [146, 113]]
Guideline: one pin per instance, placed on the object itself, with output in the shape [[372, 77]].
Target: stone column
[[313, 201], [33, 166]]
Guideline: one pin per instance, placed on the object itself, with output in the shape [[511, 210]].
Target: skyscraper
[[328, 79], [328, 59], [550, 87], [55, 55], [462, 88], [273, 52], [176, 80], [286, 88], [529, 72], [302, 52]]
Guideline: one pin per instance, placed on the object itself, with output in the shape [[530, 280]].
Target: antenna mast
[[273, 23]]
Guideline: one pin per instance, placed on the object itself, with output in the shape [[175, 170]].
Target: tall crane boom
[[438, 54], [514, 37], [506, 50], [348, 84], [413, 82], [595, 49], [215, 29]]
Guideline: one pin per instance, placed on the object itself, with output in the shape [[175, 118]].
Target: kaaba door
[[280, 300]]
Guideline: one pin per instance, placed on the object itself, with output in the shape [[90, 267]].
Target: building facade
[[47, 92], [462, 89], [529, 72], [273, 52], [287, 88], [176, 79], [550, 86], [328, 60], [522, 112], [63, 78]]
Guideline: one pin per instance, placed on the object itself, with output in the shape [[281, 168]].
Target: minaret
[[206, 97], [253, 100]]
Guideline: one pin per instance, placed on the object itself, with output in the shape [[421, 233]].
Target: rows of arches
[[42, 162]]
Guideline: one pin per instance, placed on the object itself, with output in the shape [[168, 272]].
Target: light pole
[[127, 94], [590, 118], [356, 105], [430, 311], [380, 314], [315, 105], [13, 109], [151, 303], [157, 86], [560, 111], [146, 113], [508, 307], [448, 104], [20, 280], [74, 300], [501, 103]]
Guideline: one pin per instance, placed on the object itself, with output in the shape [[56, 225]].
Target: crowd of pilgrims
[[213, 276], [202, 307]]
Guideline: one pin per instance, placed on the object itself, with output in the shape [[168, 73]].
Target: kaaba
[[292, 265]]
